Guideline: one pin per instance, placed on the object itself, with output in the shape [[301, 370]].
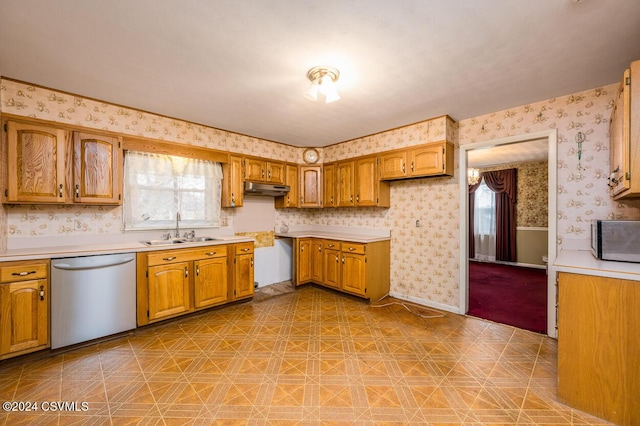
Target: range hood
[[256, 188]]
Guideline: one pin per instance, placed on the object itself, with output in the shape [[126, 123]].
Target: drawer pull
[[331, 245], [245, 249], [168, 258], [352, 248], [211, 253], [41, 292], [23, 274]]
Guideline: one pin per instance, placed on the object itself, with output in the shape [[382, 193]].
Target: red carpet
[[510, 295]]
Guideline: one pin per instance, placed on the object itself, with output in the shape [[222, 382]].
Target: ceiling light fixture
[[323, 80]]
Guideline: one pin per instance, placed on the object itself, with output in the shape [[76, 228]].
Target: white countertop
[[46, 252], [583, 262], [342, 236]]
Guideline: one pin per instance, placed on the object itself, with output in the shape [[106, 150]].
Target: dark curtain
[[504, 184], [472, 204]]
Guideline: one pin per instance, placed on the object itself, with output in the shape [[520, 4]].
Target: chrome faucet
[[177, 224]]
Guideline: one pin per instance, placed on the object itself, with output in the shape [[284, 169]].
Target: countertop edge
[[112, 248], [583, 262], [333, 236]]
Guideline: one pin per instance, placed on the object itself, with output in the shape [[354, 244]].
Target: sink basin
[[168, 242], [173, 241], [200, 239]]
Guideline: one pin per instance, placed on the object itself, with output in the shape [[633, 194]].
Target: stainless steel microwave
[[616, 240]]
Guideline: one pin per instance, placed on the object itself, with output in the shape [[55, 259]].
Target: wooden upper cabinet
[[232, 183], [310, 186], [36, 164], [291, 178], [46, 165], [344, 184], [259, 170], [328, 185], [431, 159], [96, 169], [393, 165], [624, 137], [370, 191]]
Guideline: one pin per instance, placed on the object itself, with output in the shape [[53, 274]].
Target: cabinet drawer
[[210, 252], [244, 248], [357, 248], [27, 271], [330, 244]]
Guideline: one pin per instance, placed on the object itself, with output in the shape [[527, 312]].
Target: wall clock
[[310, 155]]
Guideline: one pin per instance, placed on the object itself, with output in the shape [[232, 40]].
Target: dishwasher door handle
[[69, 267]]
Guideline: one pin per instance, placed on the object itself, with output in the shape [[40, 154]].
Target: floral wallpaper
[[532, 192], [425, 260]]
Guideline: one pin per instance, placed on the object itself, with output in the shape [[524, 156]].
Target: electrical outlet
[[418, 223]]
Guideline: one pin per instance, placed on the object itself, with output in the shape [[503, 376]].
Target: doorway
[[550, 137]]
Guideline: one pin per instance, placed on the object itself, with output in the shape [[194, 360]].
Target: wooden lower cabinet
[[24, 307], [243, 271], [599, 346], [174, 282], [362, 269]]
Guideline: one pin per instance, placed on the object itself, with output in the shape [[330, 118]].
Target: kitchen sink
[[174, 241]]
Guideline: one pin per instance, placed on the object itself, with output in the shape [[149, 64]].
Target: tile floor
[[310, 356]]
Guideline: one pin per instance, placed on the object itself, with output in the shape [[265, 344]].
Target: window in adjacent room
[[157, 187]]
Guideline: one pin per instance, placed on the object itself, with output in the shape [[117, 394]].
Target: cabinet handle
[[412, 166], [41, 292], [186, 272], [358, 198], [168, 258], [337, 258], [60, 191], [252, 262], [77, 191], [331, 245], [343, 259], [351, 199], [23, 274], [197, 270], [211, 253], [269, 175], [352, 248], [262, 173], [245, 249], [319, 248], [302, 248], [332, 200], [301, 200], [403, 168]]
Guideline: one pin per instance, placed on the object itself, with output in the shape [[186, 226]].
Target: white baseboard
[[426, 303]]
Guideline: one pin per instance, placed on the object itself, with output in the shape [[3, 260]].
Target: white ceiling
[[241, 65], [520, 152]]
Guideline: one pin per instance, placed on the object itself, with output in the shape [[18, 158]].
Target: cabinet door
[[427, 160], [36, 164], [303, 274], [619, 139], [353, 273], [291, 178], [275, 172], [232, 193], [244, 275], [328, 186], [331, 264], [345, 177], [255, 169], [25, 316], [366, 181], [210, 282], [168, 290], [316, 260], [96, 169], [393, 165], [310, 186]]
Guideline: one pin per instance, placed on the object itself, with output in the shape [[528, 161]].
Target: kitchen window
[[157, 187]]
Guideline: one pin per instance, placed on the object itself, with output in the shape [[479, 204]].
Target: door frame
[[552, 140]]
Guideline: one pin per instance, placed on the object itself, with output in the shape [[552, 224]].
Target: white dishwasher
[[92, 297]]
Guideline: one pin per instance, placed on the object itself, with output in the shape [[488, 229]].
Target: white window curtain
[[484, 223], [157, 187]]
